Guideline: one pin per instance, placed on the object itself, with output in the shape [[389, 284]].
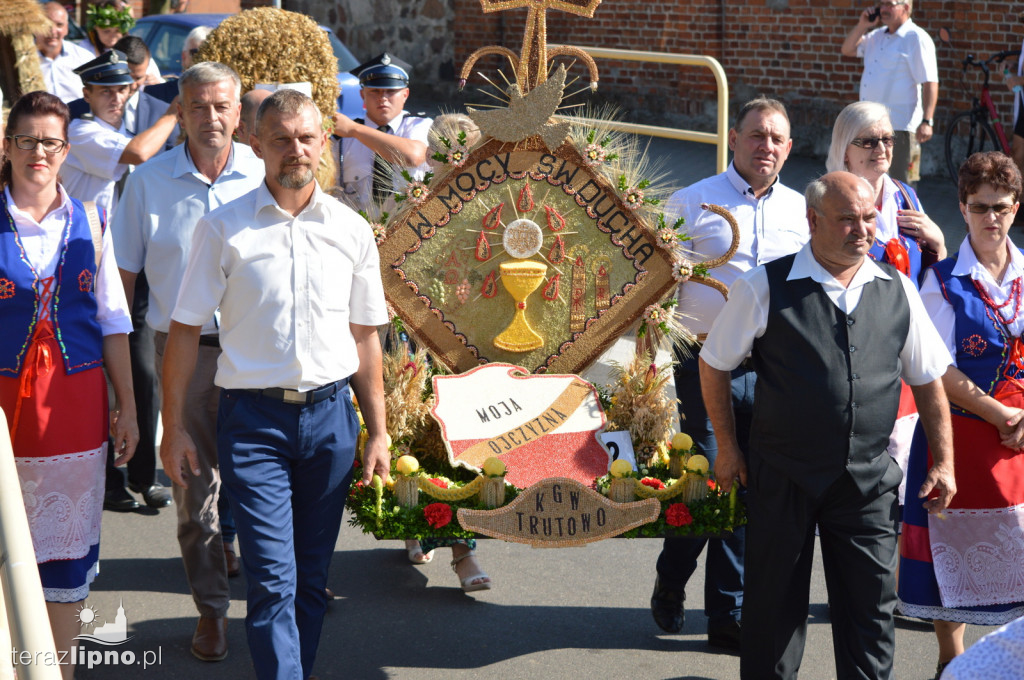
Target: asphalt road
[[579, 612]]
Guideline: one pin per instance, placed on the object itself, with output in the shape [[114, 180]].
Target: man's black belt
[[295, 397]]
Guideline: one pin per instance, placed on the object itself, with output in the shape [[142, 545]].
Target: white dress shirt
[[895, 65], [770, 227], [357, 164], [287, 287], [745, 317], [941, 312], [162, 201], [59, 73], [94, 165], [43, 242]]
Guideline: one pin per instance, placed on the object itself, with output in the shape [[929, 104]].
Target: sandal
[[416, 554], [467, 583]]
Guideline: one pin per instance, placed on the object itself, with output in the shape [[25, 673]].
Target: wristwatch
[[930, 122]]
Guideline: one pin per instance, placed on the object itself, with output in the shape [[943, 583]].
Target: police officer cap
[[383, 72], [110, 68]]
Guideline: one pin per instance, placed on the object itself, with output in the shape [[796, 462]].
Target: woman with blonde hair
[[905, 237]]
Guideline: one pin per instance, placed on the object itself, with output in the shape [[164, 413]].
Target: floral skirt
[[59, 433]]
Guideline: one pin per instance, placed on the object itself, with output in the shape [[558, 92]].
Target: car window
[[346, 60], [165, 47]]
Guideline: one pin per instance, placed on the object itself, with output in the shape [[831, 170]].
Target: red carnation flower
[[357, 463], [712, 485], [652, 482], [438, 514], [439, 482], [678, 515]]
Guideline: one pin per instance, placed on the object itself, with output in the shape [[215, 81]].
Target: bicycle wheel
[[967, 133]]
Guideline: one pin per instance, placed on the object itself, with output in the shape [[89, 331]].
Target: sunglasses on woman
[[872, 142]]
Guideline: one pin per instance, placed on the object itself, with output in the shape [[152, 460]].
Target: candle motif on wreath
[[602, 299], [578, 311]]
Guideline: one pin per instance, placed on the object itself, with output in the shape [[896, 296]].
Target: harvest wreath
[[418, 503]]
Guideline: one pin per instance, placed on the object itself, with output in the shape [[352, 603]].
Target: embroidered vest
[[73, 309], [982, 351], [828, 383]]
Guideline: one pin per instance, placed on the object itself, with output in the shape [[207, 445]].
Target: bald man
[[58, 59], [251, 101], [830, 333]]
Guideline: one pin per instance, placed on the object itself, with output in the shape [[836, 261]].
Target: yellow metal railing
[[21, 593], [720, 137]]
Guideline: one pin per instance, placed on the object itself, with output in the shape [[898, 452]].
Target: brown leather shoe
[[234, 566], [210, 641]]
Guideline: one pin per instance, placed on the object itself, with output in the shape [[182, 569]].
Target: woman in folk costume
[[64, 317], [862, 143], [967, 566]]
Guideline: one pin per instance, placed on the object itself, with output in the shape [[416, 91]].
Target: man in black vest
[[830, 333]]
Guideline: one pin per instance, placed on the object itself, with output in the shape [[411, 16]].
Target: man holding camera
[[900, 71]]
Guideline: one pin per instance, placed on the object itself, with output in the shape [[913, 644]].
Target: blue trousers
[[287, 468], [723, 580]]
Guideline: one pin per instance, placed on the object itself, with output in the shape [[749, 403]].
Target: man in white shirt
[[901, 72], [296, 277], [101, 145], [59, 59], [153, 228], [375, 151], [771, 224], [830, 334]]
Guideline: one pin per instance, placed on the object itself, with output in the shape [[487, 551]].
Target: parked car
[[165, 35]]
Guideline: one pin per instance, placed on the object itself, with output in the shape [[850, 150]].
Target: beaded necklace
[[1015, 296]]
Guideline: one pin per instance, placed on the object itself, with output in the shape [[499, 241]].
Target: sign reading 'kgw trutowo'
[[559, 512]]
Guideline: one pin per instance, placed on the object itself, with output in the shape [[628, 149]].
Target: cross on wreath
[[531, 64]]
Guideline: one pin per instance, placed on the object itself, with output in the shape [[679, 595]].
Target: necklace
[[1015, 296]]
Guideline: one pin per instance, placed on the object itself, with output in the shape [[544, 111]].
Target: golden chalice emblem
[[520, 279]]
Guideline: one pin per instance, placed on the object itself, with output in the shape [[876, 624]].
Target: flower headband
[[107, 16]]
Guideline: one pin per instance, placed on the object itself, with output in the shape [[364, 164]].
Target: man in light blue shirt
[[162, 201], [59, 58]]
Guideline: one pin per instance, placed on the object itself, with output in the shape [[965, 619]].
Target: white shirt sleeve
[[924, 356], [939, 311], [127, 224], [112, 311], [98, 149], [923, 64], [742, 320], [366, 298], [204, 282]]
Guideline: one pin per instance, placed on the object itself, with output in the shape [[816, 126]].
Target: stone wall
[[417, 31]]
